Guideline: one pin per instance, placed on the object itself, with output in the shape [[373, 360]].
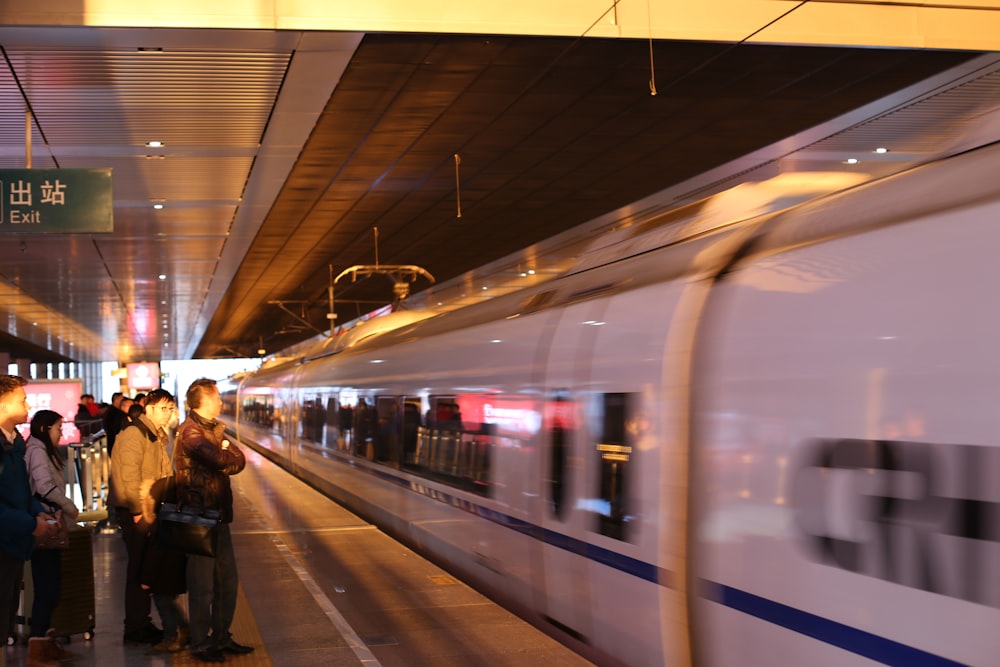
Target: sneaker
[[236, 649], [147, 634], [209, 655]]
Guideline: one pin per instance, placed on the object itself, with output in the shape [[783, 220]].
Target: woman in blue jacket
[[22, 518]]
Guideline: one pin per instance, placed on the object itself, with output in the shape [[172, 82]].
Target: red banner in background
[[62, 396]]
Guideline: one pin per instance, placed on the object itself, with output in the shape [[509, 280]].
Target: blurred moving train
[[740, 433]]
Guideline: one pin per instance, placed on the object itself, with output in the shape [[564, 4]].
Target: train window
[[412, 421], [387, 441], [614, 451], [331, 427], [345, 423], [446, 447], [313, 418], [228, 402], [262, 409], [559, 425], [364, 428]]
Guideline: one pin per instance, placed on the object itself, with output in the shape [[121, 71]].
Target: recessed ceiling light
[[163, 276], [852, 160], [154, 144], [881, 150], [158, 206]]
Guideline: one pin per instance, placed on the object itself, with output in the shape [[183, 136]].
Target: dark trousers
[[46, 576], [11, 571], [212, 585], [137, 601]]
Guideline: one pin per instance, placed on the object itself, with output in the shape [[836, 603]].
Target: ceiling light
[[154, 144], [880, 151], [158, 205], [163, 276], [852, 160]]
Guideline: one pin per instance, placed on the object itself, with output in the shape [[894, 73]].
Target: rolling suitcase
[[75, 613], [21, 628]]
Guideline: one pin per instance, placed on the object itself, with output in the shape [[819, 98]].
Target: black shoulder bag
[[192, 529]]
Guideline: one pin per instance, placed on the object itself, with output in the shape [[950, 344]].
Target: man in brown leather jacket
[[204, 459]]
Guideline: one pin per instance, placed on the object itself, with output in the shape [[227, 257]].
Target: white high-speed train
[[737, 434]]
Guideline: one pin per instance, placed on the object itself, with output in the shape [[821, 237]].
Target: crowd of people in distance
[[153, 459]]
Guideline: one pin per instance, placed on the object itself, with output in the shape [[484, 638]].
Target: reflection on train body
[[452, 438]]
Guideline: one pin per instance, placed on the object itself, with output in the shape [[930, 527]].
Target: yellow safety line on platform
[[245, 631]]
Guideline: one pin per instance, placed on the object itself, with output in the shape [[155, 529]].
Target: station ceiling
[[290, 155]]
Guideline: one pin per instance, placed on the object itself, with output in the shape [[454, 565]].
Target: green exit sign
[[55, 201]]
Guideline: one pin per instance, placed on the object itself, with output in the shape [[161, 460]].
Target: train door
[[564, 519]]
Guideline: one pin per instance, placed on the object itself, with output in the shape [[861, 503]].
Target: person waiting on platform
[[139, 459], [114, 419], [88, 416], [205, 460], [135, 411], [22, 516], [45, 474]]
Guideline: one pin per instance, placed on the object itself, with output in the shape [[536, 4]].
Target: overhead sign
[[62, 201]]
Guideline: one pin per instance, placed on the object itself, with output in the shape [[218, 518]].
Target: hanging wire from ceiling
[[27, 105], [458, 188], [652, 66]]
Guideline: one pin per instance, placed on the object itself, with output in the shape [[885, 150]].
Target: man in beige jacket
[[138, 459]]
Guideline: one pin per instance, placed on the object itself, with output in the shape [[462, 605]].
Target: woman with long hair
[[48, 483]]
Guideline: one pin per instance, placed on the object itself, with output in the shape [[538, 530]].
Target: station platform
[[320, 586]]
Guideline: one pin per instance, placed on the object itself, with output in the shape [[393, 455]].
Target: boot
[[38, 653], [55, 650]]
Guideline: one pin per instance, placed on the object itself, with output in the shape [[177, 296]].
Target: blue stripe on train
[[863, 643], [879, 649], [627, 564]]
